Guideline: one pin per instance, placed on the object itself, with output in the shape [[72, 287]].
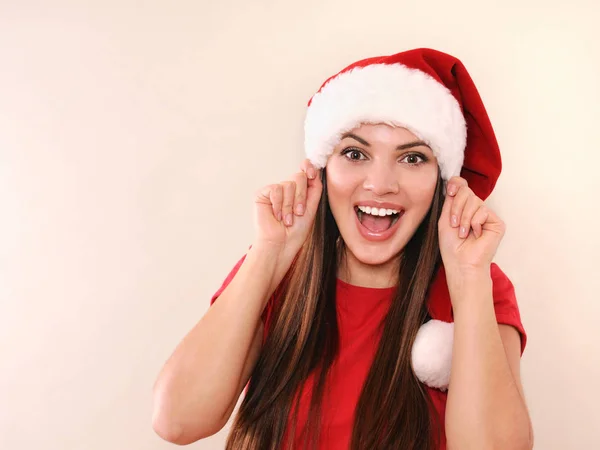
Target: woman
[[368, 313]]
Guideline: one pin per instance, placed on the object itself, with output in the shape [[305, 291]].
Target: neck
[[353, 271]]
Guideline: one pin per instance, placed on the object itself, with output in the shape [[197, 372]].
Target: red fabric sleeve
[[505, 303], [266, 313]]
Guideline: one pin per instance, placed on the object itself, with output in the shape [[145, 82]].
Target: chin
[[374, 255]]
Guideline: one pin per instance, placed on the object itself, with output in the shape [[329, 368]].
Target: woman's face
[[369, 169]]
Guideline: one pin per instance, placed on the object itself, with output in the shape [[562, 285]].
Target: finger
[[460, 199], [300, 197], [262, 195], [313, 192], [471, 206], [446, 208], [271, 196], [308, 168], [454, 185], [494, 223], [289, 190], [276, 199], [479, 219]]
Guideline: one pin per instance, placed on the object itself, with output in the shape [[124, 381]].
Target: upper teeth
[[377, 211]]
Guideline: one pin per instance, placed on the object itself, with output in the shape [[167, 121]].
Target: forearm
[[485, 409], [200, 380]]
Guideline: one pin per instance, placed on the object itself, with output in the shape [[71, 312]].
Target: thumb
[[313, 193], [446, 208]]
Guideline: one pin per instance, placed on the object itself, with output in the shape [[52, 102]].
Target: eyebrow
[[400, 147]]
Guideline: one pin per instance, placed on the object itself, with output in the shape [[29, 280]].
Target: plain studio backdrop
[[133, 136]]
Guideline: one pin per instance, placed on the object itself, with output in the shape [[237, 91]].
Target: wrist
[[276, 258], [267, 249], [468, 273], [263, 262], [468, 286]]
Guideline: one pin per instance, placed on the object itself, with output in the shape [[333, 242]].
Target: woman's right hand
[[285, 212]]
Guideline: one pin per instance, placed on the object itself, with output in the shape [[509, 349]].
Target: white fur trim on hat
[[432, 353], [393, 94]]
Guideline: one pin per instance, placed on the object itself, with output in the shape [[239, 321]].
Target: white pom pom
[[432, 353]]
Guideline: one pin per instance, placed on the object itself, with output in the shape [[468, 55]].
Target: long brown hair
[[394, 409]]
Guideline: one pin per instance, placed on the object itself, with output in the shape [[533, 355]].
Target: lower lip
[[377, 237]]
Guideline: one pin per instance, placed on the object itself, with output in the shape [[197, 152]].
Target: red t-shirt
[[360, 311]]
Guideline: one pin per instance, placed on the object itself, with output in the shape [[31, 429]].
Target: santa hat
[[432, 95], [426, 91]]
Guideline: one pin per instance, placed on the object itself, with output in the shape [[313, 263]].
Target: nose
[[381, 179]]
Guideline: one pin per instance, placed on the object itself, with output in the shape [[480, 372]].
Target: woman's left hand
[[468, 243]]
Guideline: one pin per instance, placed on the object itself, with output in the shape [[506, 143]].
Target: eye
[[412, 156], [353, 154]]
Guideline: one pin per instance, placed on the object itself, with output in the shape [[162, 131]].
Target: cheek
[[424, 194], [341, 184], [421, 187]]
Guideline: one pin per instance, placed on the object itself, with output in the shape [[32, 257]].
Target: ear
[[432, 353]]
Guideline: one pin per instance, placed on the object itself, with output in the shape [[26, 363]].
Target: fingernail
[[279, 216], [454, 221], [463, 232], [452, 189], [288, 219], [311, 173], [299, 209]]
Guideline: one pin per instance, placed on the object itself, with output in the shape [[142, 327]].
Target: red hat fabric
[[426, 91]]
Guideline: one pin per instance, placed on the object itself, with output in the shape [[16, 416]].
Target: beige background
[[133, 135]]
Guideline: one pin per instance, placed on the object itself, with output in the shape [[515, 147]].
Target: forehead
[[381, 134]]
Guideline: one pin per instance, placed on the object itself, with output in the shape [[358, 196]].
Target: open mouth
[[377, 220]]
